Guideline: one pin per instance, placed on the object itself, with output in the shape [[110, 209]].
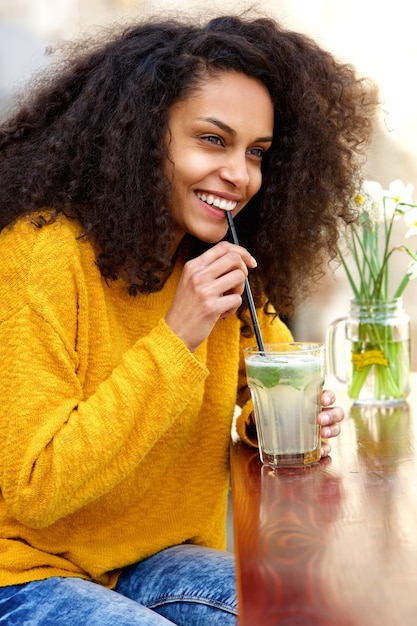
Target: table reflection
[[384, 434], [334, 542]]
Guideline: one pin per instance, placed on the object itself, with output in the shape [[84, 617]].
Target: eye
[[214, 139], [256, 152]]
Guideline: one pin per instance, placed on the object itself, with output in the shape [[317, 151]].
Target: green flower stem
[[358, 380], [349, 276], [388, 379], [368, 242], [380, 356]]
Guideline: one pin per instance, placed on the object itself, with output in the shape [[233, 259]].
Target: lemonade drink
[[285, 388]]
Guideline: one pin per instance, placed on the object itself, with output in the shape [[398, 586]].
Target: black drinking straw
[[249, 296]]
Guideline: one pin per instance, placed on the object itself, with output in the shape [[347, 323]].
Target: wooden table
[[334, 543]]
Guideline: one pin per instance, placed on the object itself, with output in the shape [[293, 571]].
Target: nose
[[235, 169]]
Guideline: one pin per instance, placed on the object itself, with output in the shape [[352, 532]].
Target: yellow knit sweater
[[114, 437]]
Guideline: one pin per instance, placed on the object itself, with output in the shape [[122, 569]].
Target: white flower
[[369, 239], [370, 200], [400, 192], [397, 193], [410, 218], [373, 190], [382, 205]]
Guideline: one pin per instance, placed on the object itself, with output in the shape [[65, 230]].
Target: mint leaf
[[267, 375]]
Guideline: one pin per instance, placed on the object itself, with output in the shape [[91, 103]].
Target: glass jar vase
[[375, 362]]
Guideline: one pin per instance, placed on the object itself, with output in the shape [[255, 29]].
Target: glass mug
[[286, 381]]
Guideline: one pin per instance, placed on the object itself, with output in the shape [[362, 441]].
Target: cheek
[[188, 170], [253, 187], [255, 182]]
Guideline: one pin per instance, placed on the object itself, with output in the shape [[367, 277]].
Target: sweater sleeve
[[62, 450], [273, 331]]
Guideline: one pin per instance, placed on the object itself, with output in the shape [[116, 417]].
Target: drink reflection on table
[[384, 444], [290, 517], [383, 434]]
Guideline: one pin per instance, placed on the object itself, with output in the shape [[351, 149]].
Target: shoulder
[[47, 262], [37, 240], [38, 226]]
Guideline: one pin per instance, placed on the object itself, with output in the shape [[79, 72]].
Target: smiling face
[[216, 141]]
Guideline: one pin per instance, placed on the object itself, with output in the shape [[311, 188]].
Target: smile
[[219, 203]]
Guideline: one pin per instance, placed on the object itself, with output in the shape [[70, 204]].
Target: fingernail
[[325, 399], [254, 262], [325, 419]]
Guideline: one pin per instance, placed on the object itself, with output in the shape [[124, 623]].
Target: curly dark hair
[[89, 142]]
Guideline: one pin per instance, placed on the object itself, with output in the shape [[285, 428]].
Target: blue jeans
[[186, 585]]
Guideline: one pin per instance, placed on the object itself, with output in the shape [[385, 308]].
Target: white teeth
[[220, 203]]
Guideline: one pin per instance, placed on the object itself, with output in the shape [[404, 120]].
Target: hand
[[329, 420], [210, 288]]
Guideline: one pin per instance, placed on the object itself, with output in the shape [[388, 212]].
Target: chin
[[211, 239]]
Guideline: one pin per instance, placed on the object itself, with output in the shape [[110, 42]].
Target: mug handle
[[332, 347]]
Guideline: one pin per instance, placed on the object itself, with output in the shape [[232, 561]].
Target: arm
[[62, 451], [69, 441]]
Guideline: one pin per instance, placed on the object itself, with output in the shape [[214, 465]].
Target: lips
[[216, 201]]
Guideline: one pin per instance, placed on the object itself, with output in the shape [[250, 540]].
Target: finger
[[224, 265], [328, 397], [219, 294], [331, 416], [223, 248], [326, 459], [325, 449], [330, 431], [229, 305], [200, 275], [231, 283]]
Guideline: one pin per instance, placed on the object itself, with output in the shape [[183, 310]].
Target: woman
[[122, 322]]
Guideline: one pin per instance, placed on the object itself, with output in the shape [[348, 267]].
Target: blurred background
[[379, 39]]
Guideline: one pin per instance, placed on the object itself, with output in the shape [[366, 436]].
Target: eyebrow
[[228, 129]]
